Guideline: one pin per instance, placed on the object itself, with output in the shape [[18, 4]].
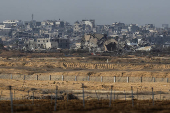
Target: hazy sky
[[103, 11]]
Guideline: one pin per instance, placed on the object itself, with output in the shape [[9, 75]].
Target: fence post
[[51, 97], [62, 78], [50, 78], [101, 79], [167, 80], [83, 95], [152, 97], [55, 107], [160, 95], [88, 78], [11, 76], [114, 94], [67, 96], [28, 95], [127, 79], [1, 95], [114, 79], [132, 96], [96, 95], [37, 77], [75, 78], [137, 93], [154, 79], [10, 88], [141, 79], [14, 94], [110, 97], [33, 98], [125, 95], [24, 77]]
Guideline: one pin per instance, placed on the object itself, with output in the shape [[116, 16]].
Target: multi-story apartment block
[[12, 23], [48, 43]]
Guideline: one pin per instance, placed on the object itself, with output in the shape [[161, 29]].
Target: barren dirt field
[[83, 66], [46, 88], [131, 66]]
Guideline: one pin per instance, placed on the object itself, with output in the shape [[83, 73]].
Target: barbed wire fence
[[33, 95], [111, 79]]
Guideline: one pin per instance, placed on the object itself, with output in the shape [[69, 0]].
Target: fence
[[110, 79], [107, 98]]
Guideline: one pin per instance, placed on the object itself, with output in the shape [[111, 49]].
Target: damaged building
[[110, 45], [47, 43], [98, 42]]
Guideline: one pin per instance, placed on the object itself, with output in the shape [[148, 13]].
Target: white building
[[12, 22], [88, 23], [42, 43], [2, 26], [85, 25], [46, 43]]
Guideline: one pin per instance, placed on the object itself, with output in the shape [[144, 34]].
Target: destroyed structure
[[56, 34], [98, 42]]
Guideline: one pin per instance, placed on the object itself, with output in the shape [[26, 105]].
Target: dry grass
[[22, 87], [91, 106], [83, 66]]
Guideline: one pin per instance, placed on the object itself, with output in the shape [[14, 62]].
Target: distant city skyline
[[103, 11]]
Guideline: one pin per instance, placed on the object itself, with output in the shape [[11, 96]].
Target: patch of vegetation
[[90, 73]]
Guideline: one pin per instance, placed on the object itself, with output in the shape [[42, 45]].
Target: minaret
[[32, 17]]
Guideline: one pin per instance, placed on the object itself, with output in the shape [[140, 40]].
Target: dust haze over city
[[103, 11], [74, 56]]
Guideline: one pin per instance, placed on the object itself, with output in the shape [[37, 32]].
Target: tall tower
[[32, 16]]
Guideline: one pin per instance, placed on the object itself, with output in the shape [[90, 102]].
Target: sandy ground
[[136, 67], [21, 88]]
